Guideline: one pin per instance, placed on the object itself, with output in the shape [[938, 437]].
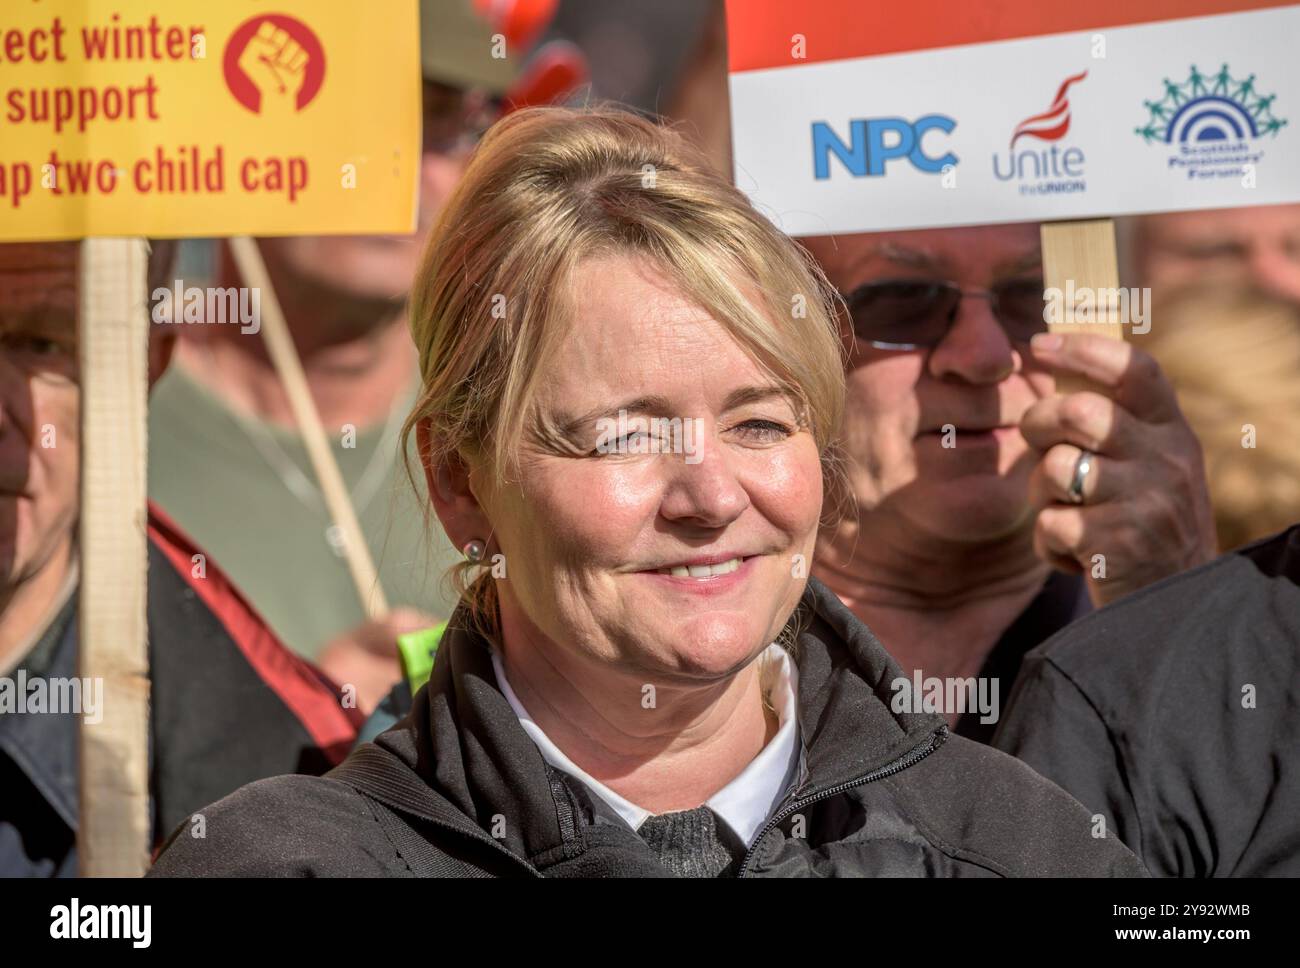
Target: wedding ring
[[1082, 467]]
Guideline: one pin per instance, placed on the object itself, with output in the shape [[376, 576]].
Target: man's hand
[[365, 657], [277, 64], [1146, 507]]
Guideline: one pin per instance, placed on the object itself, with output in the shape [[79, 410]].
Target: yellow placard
[[201, 118]]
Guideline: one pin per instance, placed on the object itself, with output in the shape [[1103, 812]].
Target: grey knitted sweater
[[691, 843]]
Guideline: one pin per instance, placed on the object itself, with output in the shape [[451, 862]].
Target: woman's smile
[[705, 575]]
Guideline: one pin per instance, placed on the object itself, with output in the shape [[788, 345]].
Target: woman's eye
[[637, 442], [763, 431]]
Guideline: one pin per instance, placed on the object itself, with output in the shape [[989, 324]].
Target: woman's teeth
[[702, 571]]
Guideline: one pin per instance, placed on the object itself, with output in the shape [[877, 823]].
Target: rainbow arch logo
[[1209, 108]]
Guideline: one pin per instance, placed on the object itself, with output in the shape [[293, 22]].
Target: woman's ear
[[447, 479]]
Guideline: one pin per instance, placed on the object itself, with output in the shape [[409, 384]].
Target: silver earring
[[473, 550]]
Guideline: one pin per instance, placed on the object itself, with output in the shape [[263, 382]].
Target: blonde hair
[[1232, 355], [550, 187]]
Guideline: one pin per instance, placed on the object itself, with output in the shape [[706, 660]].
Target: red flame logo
[[1052, 123]]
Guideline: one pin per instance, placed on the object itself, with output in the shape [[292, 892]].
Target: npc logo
[[874, 142], [1213, 123], [1055, 169]]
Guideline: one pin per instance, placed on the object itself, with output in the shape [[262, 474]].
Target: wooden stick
[[1080, 256], [114, 827], [279, 343]]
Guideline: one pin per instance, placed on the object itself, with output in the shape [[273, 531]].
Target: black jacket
[[1175, 714], [883, 794]]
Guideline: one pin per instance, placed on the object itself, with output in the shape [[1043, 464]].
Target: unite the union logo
[[1056, 168], [1214, 122]]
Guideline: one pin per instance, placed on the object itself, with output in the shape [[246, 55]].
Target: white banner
[[1183, 114]]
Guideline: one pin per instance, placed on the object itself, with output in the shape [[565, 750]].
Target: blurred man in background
[[1258, 247], [1232, 353], [228, 703], [1226, 291], [226, 458]]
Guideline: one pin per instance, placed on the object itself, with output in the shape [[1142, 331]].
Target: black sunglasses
[[909, 314]]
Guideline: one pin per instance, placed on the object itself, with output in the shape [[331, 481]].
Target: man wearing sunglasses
[[992, 510]]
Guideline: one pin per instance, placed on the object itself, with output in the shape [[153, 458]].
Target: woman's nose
[[704, 488]]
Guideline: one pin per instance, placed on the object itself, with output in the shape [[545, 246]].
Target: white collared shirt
[[746, 802]]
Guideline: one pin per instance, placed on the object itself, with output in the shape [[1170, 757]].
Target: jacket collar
[[463, 738], [848, 724]]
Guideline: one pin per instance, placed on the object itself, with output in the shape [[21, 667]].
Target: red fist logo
[[274, 64]]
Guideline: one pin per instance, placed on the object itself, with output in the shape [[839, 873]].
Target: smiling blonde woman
[[646, 683]]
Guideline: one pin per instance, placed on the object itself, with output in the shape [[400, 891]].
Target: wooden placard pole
[[113, 831], [284, 355], [1079, 256]]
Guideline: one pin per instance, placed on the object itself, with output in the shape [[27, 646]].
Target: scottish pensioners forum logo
[[1213, 122], [1055, 169]]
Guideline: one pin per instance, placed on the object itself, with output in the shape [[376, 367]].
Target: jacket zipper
[[932, 743]]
